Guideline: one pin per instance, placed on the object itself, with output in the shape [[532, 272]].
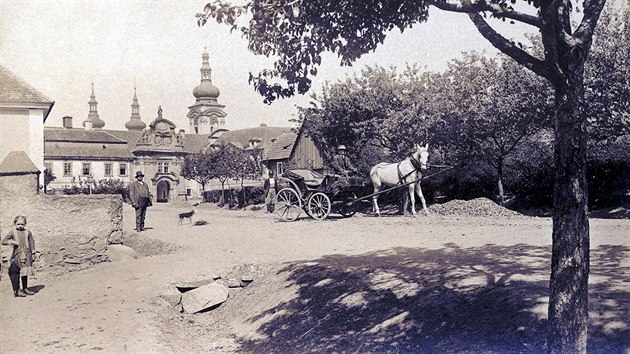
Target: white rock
[[119, 253]]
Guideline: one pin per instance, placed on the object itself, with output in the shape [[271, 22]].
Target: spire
[[96, 122], [135, 122], [206, 90], [206, 70]]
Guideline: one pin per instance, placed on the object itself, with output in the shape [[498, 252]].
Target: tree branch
[[508, 47], [495, 9], [592, 11]]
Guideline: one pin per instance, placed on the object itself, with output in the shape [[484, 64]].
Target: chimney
[[88, 124], [67, 122]]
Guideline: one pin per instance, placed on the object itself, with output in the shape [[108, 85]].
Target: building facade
[[92, 153]]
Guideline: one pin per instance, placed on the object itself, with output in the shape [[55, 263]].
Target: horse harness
[[416, 167]]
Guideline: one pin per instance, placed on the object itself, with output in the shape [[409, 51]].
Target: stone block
[[119, 253], [204, 297], [184, 287]]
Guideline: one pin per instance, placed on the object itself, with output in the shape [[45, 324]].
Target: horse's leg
[[377, 188], [412, 198], [424, 203], [405, 203]]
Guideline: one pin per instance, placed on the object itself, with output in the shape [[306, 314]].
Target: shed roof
[[241, 137], [17, 162], [281, 147]]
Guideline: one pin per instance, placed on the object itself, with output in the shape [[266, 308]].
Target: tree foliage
[[228, 162], [380, 110], [487, 107], [197, 167], [49, 176], [607, 77]]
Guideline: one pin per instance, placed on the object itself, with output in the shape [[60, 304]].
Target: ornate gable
[[161, 136]]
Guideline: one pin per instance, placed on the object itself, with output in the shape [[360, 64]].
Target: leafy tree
[[296, 32], [607, 76], [381, 109], [226, 161], [490, 106], [197, 168], [49, 176]]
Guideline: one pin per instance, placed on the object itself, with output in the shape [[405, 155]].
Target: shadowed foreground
[[480, 299]]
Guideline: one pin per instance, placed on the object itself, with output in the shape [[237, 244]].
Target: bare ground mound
[[146, 246]]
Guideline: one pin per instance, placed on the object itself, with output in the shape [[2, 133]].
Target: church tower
[[135, 122], [96, 122], [206, 115]]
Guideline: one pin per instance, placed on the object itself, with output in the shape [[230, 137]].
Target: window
[[108, 169], [162, 167], [67, 169], [188, 192], [85, 169], [279, 169], [123, 169], [48, 166]]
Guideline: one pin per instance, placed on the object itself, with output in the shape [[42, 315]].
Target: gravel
[[480, 207]]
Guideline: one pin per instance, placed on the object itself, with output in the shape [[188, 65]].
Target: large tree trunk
[[568, 287]]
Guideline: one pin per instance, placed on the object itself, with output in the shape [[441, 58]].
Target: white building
[[23, 111]]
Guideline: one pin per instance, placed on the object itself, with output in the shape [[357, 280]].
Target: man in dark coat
[[140, 199], [343, 167], [341, 163]]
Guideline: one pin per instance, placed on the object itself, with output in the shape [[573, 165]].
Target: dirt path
[[392, 284]]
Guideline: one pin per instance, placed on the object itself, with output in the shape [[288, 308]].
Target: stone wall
[[70, 231]]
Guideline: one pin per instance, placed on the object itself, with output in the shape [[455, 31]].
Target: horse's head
[[421, 154]]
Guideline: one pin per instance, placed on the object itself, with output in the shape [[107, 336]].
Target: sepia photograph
[[314, 176]]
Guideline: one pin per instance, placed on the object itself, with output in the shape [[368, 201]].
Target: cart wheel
[[344, 204], [318, 206], [288, 204]]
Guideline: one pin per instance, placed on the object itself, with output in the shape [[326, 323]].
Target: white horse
[[405, 172]]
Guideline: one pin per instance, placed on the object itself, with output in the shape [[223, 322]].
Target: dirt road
[[425, 284]]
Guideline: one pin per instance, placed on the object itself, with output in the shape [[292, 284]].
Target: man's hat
[[341, 147], [139, 173]]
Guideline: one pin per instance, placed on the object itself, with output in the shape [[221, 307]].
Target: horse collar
[[415, 163]]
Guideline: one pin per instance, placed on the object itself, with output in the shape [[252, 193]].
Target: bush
[[236, 197], [608, 173], [104, 186]]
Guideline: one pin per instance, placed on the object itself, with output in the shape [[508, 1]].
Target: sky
[[61, 47]]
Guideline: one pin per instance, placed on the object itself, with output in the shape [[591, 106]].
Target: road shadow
[[482, 299]]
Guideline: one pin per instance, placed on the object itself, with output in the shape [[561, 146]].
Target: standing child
[[271, 189], [21, 261]]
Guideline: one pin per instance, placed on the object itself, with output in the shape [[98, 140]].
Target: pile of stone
[[480, 207], [206, 294]]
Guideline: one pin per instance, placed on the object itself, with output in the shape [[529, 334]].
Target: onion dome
[[135, 122], [206, 89]]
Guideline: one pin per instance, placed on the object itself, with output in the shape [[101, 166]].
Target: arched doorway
[[163, 187]]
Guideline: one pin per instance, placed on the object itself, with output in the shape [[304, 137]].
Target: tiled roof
[[131, 137], [86, 150], [81, 135], [282, 147], [195, 143], [241, 137], [16, 90], [17, 162]]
